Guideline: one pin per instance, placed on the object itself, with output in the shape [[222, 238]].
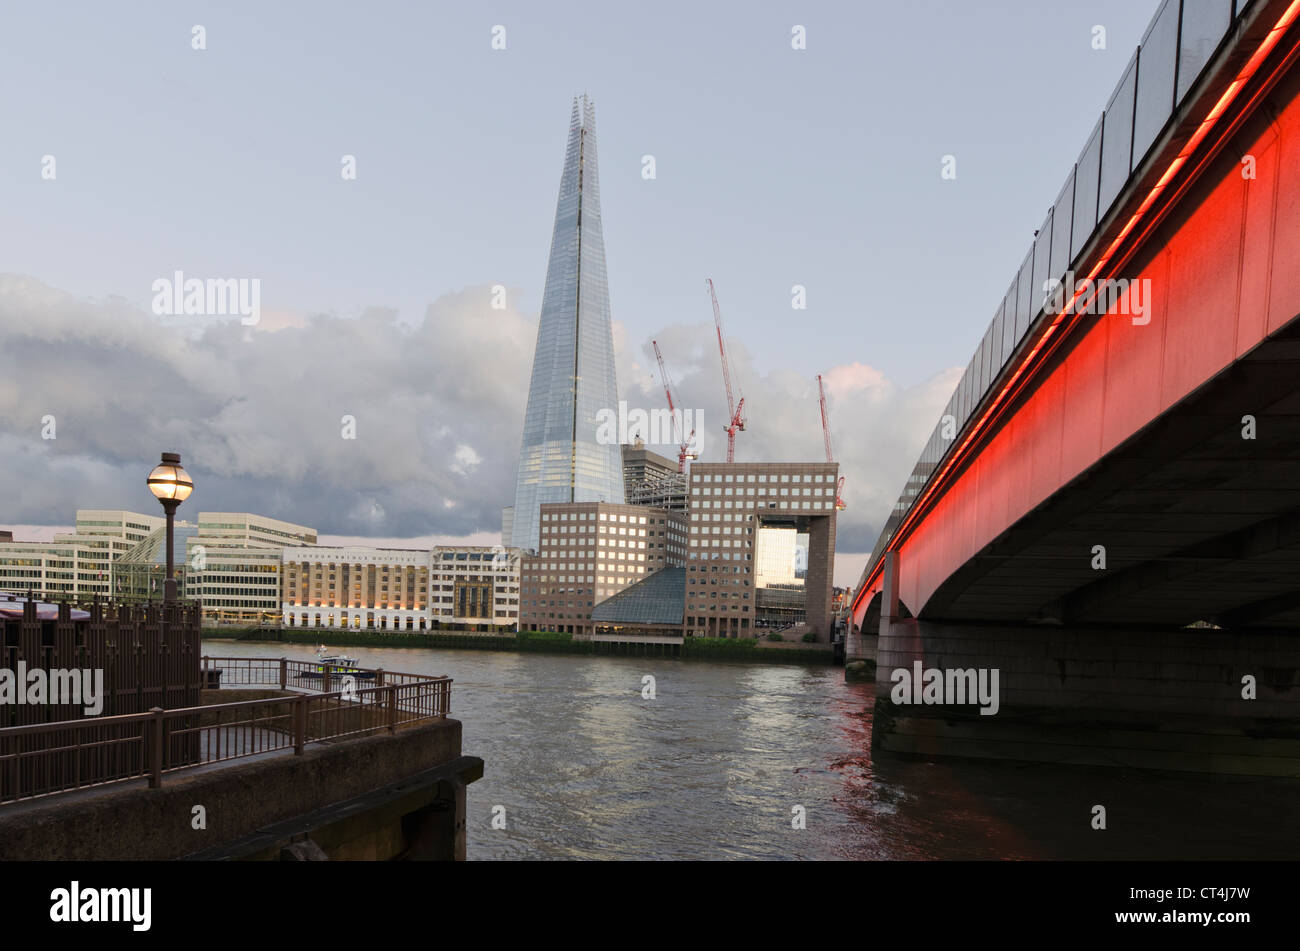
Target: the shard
[[560, 459]]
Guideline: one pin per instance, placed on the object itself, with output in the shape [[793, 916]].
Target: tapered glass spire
[[560, 459]]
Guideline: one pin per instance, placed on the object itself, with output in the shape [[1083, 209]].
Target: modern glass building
[[560, 459], [140, 573]]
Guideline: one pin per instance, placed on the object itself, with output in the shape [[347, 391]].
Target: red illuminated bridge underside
[[1130, 436]]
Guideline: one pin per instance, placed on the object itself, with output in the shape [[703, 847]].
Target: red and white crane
[[737, 421], [826, 434], [684, 447]]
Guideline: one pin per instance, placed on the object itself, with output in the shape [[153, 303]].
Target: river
[[727, 755]]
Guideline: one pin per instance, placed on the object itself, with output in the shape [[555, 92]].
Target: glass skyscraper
[[560, 459]]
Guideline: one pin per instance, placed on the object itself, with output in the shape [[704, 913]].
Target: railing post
[[392, 709], [155, 747], [299, 724], [325, 678], [284, 672]]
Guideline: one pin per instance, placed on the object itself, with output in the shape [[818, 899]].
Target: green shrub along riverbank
[[703, 648]]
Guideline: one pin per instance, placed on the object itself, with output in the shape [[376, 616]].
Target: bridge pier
[[861, 643], [1189, 699]]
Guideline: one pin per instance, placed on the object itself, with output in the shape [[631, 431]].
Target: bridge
[[1108, 511]]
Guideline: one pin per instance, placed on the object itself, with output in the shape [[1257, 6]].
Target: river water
[[725, 757]]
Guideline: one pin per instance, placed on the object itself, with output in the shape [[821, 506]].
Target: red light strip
[[1269, 42]]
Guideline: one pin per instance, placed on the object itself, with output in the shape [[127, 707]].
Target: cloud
[[465, 460], [258, 414]]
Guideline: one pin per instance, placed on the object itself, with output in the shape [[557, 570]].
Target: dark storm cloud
[[257, 412]]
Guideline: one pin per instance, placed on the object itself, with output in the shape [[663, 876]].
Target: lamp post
[[171, 485]]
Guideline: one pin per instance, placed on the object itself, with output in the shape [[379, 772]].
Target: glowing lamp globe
[[168, 481]]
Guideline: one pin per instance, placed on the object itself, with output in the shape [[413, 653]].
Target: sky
[[773, 167]]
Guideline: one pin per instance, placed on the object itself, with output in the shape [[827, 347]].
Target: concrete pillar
[[436, 833], [819, 581]]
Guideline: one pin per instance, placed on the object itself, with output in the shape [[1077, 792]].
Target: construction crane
[[826, 433], [684, 448], [737, 421]]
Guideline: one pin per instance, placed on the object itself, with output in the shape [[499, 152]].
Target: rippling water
[[713, 766]]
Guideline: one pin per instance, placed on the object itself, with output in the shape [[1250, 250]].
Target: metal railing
[[43, 759]]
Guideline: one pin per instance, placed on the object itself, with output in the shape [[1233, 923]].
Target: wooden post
[[392, 709], [284, 672]]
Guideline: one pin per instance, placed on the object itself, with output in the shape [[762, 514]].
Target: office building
[[74, 565], [229, 560], [373, 589], [475, 588], [561, 459], [652, 479], [730, 503], [590, 551], [396, 589]]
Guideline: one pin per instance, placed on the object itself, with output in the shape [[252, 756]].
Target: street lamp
[[171, 485]]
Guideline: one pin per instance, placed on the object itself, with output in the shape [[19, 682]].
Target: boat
[[339, 665]]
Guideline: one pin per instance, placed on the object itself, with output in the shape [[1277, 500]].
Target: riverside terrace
[[286, 759]]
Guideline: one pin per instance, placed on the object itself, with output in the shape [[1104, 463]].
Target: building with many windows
[[237, 555], [652, 479], [373, 589], [75, 565], [475, 588], [241, 529], [589, 552], [730, 504], [229, 560], [399, 589], [561, 457]]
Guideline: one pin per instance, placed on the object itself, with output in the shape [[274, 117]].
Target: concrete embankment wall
[[702, 648], [1164, 699], [133, 822]]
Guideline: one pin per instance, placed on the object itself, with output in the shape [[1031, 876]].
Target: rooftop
[[658, 599]]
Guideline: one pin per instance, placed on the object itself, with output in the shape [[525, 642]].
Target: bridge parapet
[[1195, 59]]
